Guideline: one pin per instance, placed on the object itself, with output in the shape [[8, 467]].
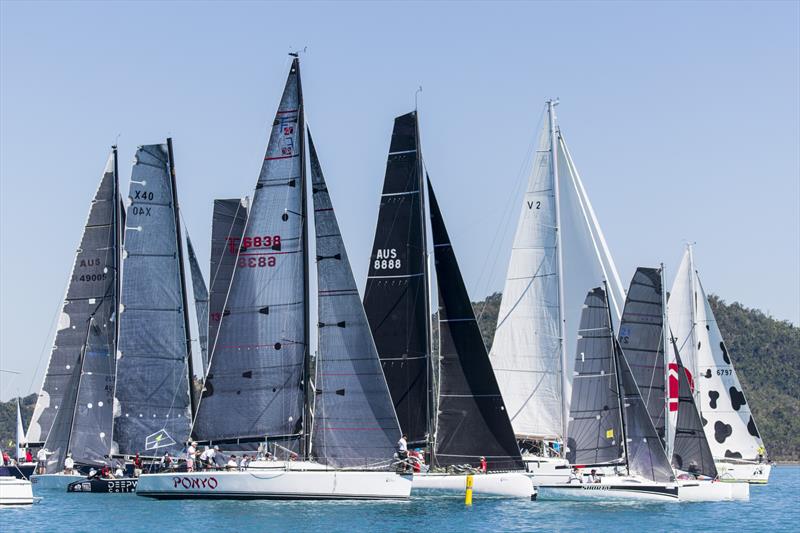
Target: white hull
[[748, 472], [611, 489], [53, 481], [293, 483], [546, 470], [15, 491], [509, 485], [712, 491]]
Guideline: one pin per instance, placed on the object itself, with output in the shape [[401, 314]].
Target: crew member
[[69, 465]]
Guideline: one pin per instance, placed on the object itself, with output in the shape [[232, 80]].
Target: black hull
[[104, 485], [19, 472]]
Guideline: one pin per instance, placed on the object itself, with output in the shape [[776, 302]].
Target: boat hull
[[756, 473], [509, 485], [276, 485], [656, 492], [104, 485], [15, 491], [546, 470], [712, 491], [53, 481]]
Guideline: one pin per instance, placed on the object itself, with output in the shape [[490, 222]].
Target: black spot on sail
[[724, 352], [737, 398], [732, 455], [751, 428], [713, 396], [722, 431], [708, 374]]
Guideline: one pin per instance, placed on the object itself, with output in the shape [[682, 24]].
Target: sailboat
[[610, 430], [258, 388], [729, 426], [559, 254], [450, 406], [73, 412], [645, 338]]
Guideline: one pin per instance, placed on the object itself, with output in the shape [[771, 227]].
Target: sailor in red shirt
[[483, 464]]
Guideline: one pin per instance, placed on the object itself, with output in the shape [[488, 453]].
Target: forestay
[[75, 399], [254, 386], [396, 295], [354, 421], [152, 388], [200, 301], [472, 417], [595, 425]]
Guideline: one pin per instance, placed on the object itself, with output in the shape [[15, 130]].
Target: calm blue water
[[771, 508]]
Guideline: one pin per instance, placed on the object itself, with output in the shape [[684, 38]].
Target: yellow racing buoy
[[468, 495]]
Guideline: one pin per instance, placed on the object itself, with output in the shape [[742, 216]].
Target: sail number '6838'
[[267, 241], [386, 259]]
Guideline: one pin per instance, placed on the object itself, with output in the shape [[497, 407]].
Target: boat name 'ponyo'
[[195, 483]]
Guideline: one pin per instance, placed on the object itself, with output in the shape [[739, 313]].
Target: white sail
[[20, 441], [545, 291], [728, 423]]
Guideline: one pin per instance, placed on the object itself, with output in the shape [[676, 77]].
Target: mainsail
[[354, 420], [200, 301], [595, 426], [396, 295], [728, 423], [227, 228], [257, 372], [472, 417], [690, 451], [75, 399], [152, 392], [641, 336], [559, 254]]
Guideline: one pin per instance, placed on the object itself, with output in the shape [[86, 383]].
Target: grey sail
[[227, 228], [690, 451], [595, 423], [61, 430], [200, 301], [354, 420], [90, 293], [153, 366], [641, 337], [255, 384], [646, 455]]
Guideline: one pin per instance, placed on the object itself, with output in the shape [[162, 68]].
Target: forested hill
[[765, 353]]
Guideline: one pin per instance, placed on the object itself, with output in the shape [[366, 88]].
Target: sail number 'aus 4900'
[[386, 259]]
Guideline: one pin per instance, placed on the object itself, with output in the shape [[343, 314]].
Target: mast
[[615, 359], [551, 112], [664, 342], [307, 399], [184, 297]]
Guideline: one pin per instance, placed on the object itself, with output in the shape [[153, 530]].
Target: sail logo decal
[[674, 385], [195, 483], [386, 259]]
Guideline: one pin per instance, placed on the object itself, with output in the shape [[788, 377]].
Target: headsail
[[152, 390], [396, 295], [200, 301], [595, 425], [20, 440], [354, 420], [91, 291], [559, 254], [641, 336], [472, 417], [255, 383]]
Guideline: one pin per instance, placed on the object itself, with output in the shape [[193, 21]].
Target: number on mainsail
[[472, 418], [396, 295], [154, 356], [74, 409], [354, 420], [258, 366]]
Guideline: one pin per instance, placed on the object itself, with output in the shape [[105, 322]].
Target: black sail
[[200, 290], [152, 411], [396, 295], [472, 418], [227, 228], [255, 384], [691, 451], [354, 421], [595, 424], [90, 298], [641, 337]]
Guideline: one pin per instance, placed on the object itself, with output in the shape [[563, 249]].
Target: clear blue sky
[[683, 119]]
